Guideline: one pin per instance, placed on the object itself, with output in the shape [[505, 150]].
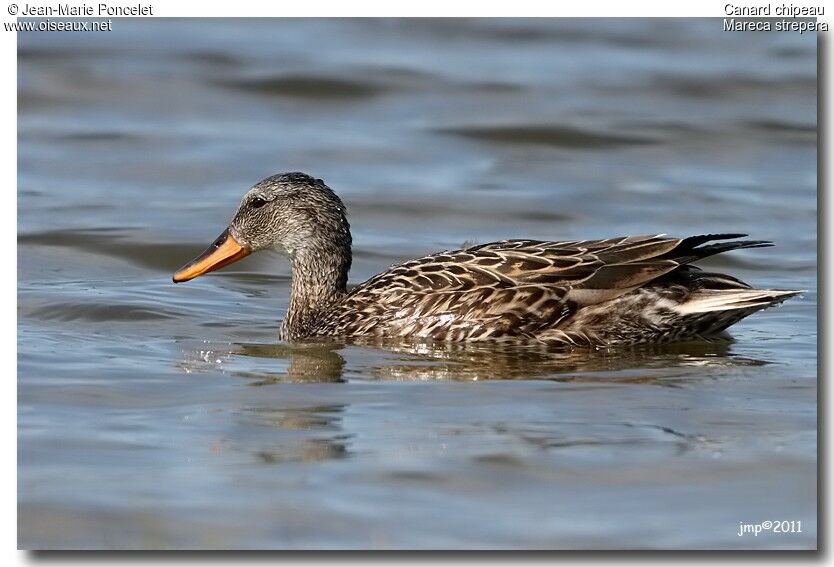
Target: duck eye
[[257, 203]]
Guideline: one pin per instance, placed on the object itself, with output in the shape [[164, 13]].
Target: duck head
[[293, 213]]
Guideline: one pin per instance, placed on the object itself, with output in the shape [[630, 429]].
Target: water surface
[[160, 416]]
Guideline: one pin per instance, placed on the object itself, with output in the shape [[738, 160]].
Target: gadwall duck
[[627, 290]]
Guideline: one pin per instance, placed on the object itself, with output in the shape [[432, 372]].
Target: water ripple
[[308, 87], [555, 136]]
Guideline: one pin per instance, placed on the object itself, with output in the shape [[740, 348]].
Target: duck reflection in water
[[285, 431], [322, 440]]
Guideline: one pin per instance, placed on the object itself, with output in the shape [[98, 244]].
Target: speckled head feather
[[292, 213], [625, 290]]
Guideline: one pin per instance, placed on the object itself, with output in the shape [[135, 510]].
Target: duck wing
[[512, 288]]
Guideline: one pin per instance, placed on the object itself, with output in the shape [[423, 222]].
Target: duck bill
[[224, 251]]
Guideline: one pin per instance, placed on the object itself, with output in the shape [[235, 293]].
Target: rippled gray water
[[161, 416]]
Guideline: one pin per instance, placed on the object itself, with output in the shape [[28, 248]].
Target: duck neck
[[319, 280]]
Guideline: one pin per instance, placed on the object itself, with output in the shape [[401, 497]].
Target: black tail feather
[[693, 241], [690, 249]]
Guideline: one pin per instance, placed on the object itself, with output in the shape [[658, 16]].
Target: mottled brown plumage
[[625, 290]]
